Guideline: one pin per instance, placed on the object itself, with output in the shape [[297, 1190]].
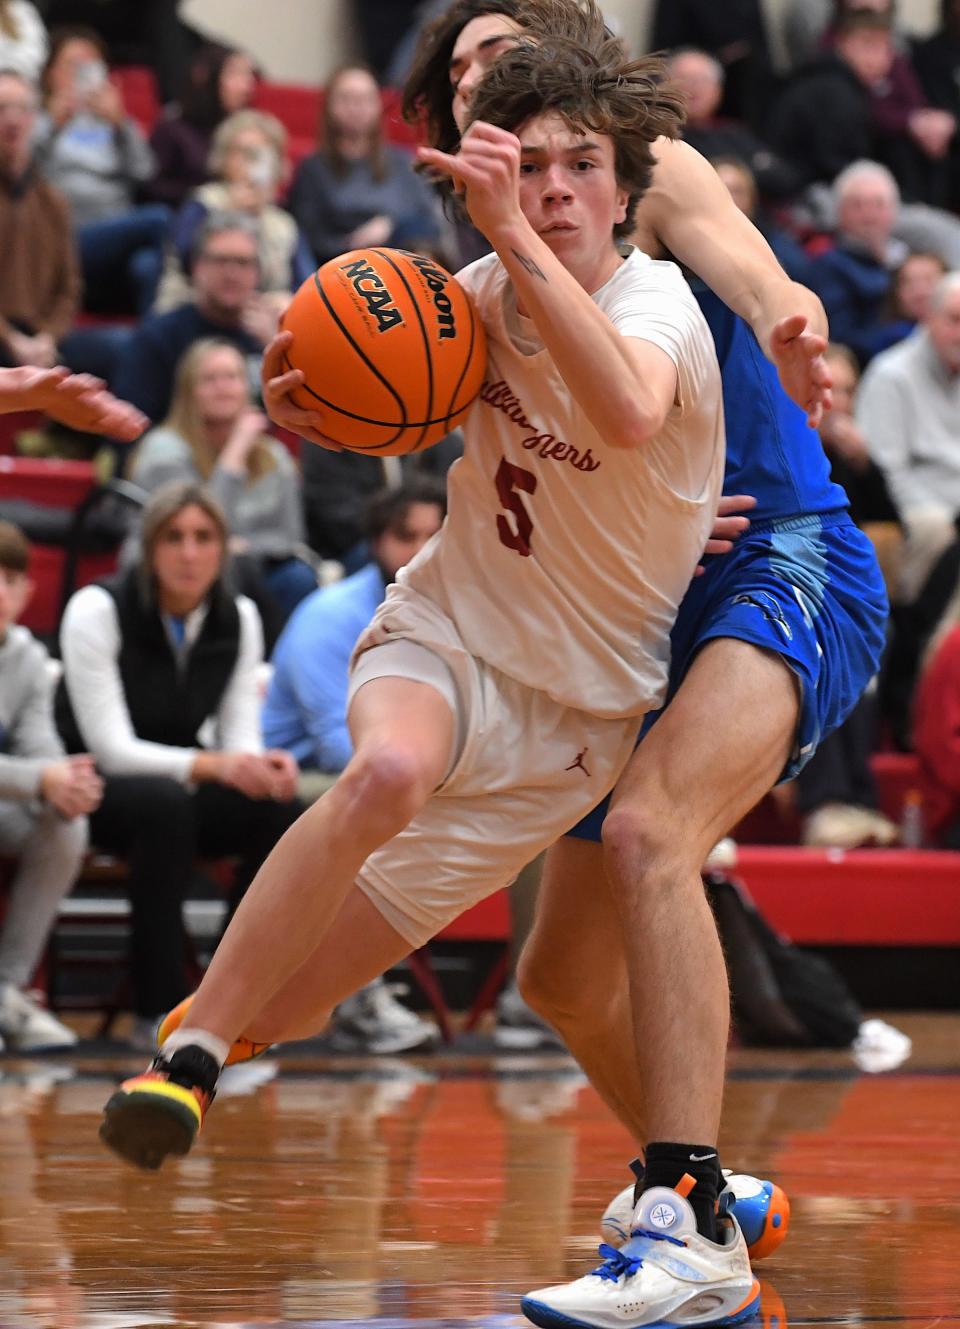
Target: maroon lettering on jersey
[[547, 446]]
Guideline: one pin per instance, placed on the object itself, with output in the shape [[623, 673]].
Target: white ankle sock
[[200, 1038]]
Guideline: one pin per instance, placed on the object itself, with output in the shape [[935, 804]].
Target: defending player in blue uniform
[[804, 581]]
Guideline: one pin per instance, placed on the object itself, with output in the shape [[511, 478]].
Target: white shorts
[[524, 770]]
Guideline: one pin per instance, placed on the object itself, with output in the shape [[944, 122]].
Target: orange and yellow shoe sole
[[148, 1118]]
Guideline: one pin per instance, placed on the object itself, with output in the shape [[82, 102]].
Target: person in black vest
[[161, 686]]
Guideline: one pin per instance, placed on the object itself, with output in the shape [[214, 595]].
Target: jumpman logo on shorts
[[577, 763]]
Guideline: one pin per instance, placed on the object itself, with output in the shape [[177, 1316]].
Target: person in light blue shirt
[[306, 706]]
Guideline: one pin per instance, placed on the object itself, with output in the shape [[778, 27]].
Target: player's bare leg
[[359, 946], [403, 734], [573, 972], [719, 747]]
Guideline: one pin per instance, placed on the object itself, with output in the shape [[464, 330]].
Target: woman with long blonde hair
[[161, 665], [215, 436]]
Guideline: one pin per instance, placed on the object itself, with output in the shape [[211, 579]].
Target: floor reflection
[[396, 1193]]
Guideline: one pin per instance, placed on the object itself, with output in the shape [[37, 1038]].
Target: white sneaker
[[373, 1021], [761, 1207], [666, 1274], [27, 1027]]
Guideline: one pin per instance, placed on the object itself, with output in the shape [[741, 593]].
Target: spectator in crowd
[[854, 278], [153, 660], [39, 272], [306, 705], [911, 291], [699, 77], [96, 155], [808, 25], [224, 274], [337, 487], [858, 100], [909, 410], [248, 157], [937, 62], [146, 32], [735, 32], [358, 190], [936, 728], [23, 39], [790, 254], [851, 465], [220, 82], [44, 801], [306, 713], [214, 436]]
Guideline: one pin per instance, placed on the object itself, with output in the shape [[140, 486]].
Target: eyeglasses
[[230, 260]]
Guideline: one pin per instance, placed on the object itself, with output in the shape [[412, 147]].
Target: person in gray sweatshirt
[[44, 799]]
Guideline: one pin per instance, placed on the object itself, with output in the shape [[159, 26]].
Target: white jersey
[[562, 560]]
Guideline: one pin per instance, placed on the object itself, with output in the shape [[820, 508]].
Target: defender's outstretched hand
[[77, 400], [278, 382], [804, 373]]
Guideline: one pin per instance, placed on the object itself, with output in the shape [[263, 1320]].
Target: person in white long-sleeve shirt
[[908, 407], [160, 685]]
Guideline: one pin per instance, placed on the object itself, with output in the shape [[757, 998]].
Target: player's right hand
[[278, 382]]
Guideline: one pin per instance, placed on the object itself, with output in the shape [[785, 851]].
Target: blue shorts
[[808, 588]]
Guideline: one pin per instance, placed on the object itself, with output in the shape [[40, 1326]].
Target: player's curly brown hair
[[593, 89]]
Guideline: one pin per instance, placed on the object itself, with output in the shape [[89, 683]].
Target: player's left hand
[[487, 170], [804, 373]]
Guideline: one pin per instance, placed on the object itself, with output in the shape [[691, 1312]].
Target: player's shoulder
[[644, 277]]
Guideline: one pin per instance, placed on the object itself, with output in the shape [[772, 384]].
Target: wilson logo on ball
[[374, 294], [436, 280]]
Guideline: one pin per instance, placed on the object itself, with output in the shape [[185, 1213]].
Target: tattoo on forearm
[[529, 265]]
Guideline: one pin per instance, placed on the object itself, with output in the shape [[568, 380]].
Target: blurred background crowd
[[161, 197]]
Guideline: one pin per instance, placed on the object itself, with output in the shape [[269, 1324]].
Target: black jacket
[[822, 121]]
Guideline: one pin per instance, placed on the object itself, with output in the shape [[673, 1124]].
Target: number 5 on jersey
[[509, 479]]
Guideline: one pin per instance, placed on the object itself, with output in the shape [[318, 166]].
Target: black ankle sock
[[665, 1165]]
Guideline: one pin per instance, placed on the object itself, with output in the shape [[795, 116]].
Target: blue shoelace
[[617, 1265]]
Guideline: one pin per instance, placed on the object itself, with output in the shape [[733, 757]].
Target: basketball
[[391, 347]]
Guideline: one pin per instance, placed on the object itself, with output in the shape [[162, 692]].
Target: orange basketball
[[391, 347]]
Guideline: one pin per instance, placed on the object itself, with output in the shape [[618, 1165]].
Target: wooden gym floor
[[405, 1194]]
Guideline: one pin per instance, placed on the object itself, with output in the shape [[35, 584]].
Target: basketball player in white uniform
[[496, 696]]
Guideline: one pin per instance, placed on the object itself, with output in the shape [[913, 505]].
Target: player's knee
[[635, 842], [388, 780]]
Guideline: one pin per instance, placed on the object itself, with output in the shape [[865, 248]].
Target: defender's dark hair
[[595, 89], [428, 95], [388, 508]]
